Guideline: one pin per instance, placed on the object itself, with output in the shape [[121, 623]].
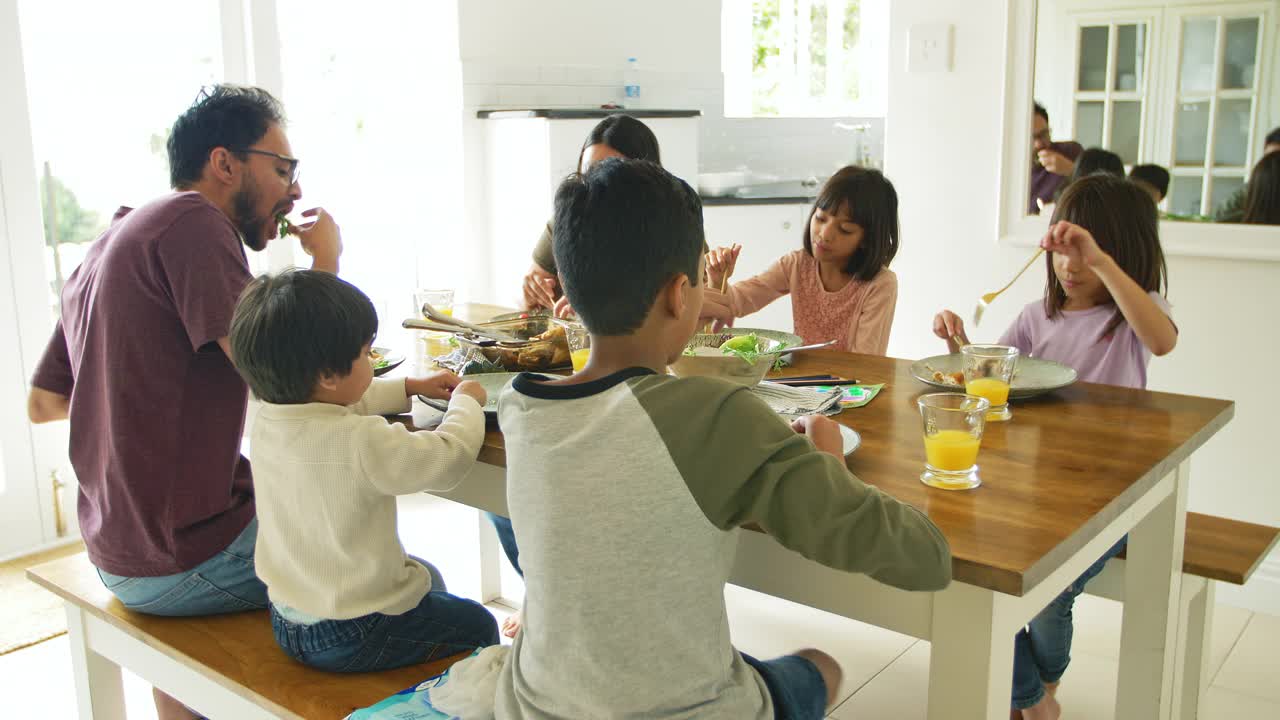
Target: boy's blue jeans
[[441, 625], [1042, 650]]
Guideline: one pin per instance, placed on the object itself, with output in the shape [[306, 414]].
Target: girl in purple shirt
[[1103, 314]]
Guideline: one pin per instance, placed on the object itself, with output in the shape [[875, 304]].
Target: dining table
[[1066, 478]]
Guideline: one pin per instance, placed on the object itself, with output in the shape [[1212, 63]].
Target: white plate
[[851, 439], [1031, 376], [493, 383]]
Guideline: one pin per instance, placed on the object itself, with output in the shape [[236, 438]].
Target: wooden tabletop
[[1063, 468]]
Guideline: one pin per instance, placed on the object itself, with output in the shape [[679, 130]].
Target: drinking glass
[[953, 425], [579, 345], [436, 343], [988, 370]]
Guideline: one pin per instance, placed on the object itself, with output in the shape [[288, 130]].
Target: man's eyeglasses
[[293, 162]]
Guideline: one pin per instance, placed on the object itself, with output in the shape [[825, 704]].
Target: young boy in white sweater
[[327, 469]]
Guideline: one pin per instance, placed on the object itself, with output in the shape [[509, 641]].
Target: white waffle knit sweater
[[326, 479]]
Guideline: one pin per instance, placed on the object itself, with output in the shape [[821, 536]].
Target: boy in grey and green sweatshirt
[[627, 487]]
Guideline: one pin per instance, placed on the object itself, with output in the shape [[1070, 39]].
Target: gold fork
[[990, 297]]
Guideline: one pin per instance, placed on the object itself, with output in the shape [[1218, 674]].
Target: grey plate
[[852, 440], [1031, 377], [393, 358], [493, 383]]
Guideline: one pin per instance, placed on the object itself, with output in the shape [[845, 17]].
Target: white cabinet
[[766, 233]]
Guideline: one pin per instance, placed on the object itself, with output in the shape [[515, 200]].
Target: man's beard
[[252, 230]]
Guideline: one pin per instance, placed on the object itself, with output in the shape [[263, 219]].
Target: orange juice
[[951, 450], [996, 391], [579, 358]]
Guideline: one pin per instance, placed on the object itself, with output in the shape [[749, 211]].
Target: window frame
[[1146, 94]]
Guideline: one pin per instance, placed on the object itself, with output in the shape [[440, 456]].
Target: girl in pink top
[[1103, 314], [840, 283]]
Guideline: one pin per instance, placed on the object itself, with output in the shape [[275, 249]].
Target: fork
[[990, 297]]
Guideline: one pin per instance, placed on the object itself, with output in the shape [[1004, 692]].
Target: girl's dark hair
[[291, 328], [1124, 221], [625, 134], [872, 203], [1263, 204], [1096, 160], [229, 116]]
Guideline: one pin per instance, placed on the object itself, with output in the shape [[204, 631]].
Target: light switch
[[929, 47]]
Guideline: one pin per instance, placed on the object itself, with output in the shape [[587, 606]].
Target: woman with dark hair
[[615, 136], [1263, 204]]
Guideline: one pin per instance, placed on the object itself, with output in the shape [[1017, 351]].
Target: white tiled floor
[[886, 674]]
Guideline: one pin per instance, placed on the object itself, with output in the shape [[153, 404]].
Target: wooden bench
[[222, 666], [1214, 548]]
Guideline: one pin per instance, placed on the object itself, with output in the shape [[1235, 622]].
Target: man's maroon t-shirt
[[157, 410]]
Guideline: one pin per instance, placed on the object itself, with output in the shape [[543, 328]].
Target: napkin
[[796, 401]]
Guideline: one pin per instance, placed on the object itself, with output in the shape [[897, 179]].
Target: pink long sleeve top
[[858, 316]]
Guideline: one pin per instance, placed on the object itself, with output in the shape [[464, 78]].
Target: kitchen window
[[805, 58]]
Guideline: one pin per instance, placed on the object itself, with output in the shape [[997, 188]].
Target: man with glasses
[[1051, 162], [139, 363]]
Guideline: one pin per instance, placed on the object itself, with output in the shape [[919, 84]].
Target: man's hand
[[540, 288], [321, 239], [1055, 162]]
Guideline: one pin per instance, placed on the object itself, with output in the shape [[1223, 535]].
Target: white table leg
[[1152, 605], [1193, 646], [99, 691], [490, 561], [971, 659]]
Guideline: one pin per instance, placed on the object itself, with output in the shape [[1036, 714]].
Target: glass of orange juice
[[579, 345], [437, 343], [988, 370], [953, 424]]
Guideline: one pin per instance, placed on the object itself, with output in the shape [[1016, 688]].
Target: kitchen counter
[[789, 192]]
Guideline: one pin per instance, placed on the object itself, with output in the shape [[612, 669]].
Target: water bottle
[[631, 84]]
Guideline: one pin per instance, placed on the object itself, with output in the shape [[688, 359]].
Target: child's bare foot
[[511, 625], [1047, 709], [828, 668]]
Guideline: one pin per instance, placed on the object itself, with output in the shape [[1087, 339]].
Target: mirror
[[1162, 83]]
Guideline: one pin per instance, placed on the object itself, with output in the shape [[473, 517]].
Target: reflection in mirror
[[1170, 86]]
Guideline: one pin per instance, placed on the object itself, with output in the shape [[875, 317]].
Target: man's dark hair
[[1273, 137], [621, 232], [1153, 175], [872, 203], [1042, 112], [625, 134], [229, 116], [290, 329]]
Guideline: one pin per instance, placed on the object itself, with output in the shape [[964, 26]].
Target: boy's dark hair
[[1124, 221], [229, 116], [1097, 160], [1262, 206], [625, 134], [1153, 175], [1273, 137], [1039, 109], [291, 328], [872, 203], [621, 232]]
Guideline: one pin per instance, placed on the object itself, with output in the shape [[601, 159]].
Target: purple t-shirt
[[1075, 339], [157, 410]]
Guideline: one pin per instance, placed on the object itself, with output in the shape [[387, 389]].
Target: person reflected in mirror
[[1094, 161], [1152, 178], [1263, 204], [1051, 162], [1232, 209]]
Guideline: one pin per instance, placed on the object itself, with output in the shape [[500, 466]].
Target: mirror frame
[[1016, 229]]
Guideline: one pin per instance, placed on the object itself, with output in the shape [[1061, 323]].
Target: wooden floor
[[886, 673]]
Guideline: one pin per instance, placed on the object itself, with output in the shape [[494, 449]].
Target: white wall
[[942, 151]]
